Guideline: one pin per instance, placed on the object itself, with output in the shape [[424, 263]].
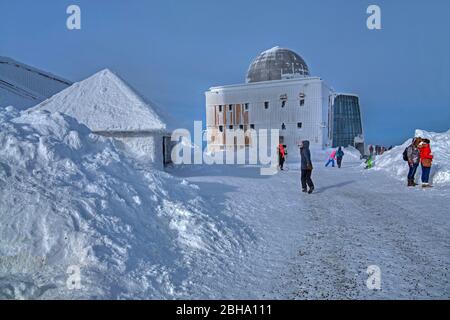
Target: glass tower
[[346, 120]]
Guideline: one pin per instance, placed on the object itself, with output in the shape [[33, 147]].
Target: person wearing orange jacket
[[281, 155], [426, 160]]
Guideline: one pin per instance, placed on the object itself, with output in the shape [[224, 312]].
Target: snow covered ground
[[320, 245], [70, 198]]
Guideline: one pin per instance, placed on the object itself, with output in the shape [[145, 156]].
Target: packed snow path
[[320, 245]]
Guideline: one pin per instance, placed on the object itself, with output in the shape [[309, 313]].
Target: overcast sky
[[172, 51]]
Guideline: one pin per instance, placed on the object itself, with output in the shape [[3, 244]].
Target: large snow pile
[[104, 102], [70, 200], [392, 160]]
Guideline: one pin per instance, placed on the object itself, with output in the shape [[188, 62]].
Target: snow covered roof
[[104, 102], [24, 86]]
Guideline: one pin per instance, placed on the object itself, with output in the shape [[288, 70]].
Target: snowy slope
[[71, 198], [104, 102], [24, 86], [392, 161]]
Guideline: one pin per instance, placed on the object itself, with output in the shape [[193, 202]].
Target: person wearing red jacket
[[281, 155], [426, 160]]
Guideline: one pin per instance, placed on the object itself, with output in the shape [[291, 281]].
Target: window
[[220, 128], [246, 106], [230, 127], [230, 107], [241, 126], [266, 104], [283, 103], [283, 126], [301, 97], [299, 125], [252, 126], [220, 108]]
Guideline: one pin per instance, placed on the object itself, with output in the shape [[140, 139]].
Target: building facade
[[279, 93]]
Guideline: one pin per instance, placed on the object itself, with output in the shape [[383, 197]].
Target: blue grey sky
[[172, 51]]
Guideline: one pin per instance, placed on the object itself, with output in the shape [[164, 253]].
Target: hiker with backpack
[[339, 157], [412, 155], [426, 160]]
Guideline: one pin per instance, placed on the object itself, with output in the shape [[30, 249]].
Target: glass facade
[[346, 120]]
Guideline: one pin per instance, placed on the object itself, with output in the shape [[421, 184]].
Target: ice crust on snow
[[393, 163], [71, 198], [104, 102]]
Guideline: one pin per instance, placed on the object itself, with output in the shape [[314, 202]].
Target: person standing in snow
[[369, 162], [371, 150], [413, 157], [339, 157], [426, 159], [281, 155], [306, 167], [331, 159]]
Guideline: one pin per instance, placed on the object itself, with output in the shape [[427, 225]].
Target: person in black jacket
[[306, 167]]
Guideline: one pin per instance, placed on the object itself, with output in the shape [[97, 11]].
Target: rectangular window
[[220, 128], [220, 108], [283, 103], [241, 126], [230, 127], [301, 97], [246, 106], [299, 125], [252, 126], [230, 107], [266, 105]]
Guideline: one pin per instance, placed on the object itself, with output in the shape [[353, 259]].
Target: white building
[[108, 106], [279, 93]]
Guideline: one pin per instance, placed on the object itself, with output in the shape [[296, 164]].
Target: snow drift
[[71, 198], [393, 163]]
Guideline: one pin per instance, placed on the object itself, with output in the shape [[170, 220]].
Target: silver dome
[[276, 64]]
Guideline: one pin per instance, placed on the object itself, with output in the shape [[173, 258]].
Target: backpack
[[405, 154]]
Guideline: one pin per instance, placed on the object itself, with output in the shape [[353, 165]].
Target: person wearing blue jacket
[[339, 157], [306, 167]]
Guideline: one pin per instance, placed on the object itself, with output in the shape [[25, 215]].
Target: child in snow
[[426, 160], [369, 162], [306, 166], [331, 159], [339, 157]]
